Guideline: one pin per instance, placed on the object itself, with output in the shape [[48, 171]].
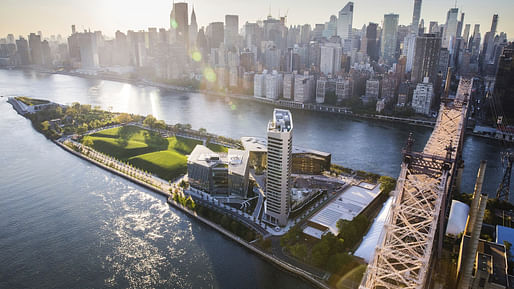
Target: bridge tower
[[504, 188]]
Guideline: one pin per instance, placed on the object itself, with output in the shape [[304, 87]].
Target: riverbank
[[278, 103]]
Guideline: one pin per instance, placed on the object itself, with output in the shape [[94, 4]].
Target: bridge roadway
[[414, 226]]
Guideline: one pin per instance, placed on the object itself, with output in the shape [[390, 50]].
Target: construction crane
[[504, 188]]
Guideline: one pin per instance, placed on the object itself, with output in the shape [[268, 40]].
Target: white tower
[[278, 181]]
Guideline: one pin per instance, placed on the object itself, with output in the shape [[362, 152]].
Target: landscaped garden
[[144, 149]]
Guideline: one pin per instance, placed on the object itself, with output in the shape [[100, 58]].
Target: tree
[[124, 118], [160, 124], [202, 130], [225, 222], [337, 261], [45, 125], [150, 121], [320, 253], [82, 128], [387, 184], [87, 141]]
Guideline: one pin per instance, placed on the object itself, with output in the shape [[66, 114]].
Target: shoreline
[[283, 103], [297, 272]]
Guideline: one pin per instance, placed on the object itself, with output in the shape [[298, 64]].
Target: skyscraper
[[231, 31], [416, 14], [426, 57], [389, 38], [278, 181], [330, 62], [344, 22], [193, 29], [22, 51], [371, 38], [215, 34], [179, 23], [450, 29], [503, 97], [488, 46], [36, 53]]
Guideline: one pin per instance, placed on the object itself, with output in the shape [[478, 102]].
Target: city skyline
[[108, 17]]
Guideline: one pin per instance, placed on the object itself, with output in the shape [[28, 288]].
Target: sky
[[53, 17]]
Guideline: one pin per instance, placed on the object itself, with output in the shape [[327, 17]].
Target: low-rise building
[[218, 173]]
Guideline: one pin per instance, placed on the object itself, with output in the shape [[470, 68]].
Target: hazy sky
[[56, 16]]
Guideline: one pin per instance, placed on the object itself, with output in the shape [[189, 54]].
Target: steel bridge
[[416, 222]]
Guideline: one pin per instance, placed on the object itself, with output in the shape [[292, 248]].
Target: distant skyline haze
[[53, 17]]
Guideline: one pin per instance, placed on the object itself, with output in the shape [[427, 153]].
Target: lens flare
[[173, 23], [209, 74], [196, 56]]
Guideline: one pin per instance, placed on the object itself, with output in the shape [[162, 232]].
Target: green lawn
[[217, 148], [164, 157]]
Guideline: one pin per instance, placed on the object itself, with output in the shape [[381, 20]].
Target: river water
[[65, 223]]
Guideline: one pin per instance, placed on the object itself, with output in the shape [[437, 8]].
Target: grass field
[[217, 148], [164, 157]]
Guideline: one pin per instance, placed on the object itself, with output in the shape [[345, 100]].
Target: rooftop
[[350, 203], [259, 144], [202, 155], [238, 161], [487, 252], [282, 121]]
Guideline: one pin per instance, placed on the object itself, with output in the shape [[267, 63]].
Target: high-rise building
[[450, 29], [343, 89], [426, 57], [371, 41], [179, 23], [259, 84], [433, 28], [345, 22], [304, 88], [22, 51], [88, 50], [503, 96], [330, 62], [10, 39], [288, 85], [389, 38], [409, 42], [215, 34], [231, 31], [330, 27], [324, 87], [278, 178], [193, 29], [416, 14], [36, 53], [423, 97], [372, 91], [274, 82], [489, 45]]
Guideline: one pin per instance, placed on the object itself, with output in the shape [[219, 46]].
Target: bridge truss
[[405, 250]]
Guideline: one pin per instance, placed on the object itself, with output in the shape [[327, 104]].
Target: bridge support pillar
[[458, 178]]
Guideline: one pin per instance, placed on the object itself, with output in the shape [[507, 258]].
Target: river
[[65, 223]]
